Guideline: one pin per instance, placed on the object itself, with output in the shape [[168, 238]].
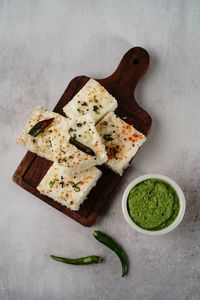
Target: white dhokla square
[[70, 191], [77, 145], [92, 98], [122, 141], [40, 144]]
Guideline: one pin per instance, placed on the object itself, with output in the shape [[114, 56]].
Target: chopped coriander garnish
[[95, 99], [96, 109], [70, 130], [75, 186], [108, 137], [51, 183], [89, 135]]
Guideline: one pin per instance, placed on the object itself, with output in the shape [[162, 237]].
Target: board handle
[[131, 69]]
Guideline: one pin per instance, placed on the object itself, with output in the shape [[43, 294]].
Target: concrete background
[[43, 45]]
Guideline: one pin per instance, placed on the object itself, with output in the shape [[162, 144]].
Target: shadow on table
[[191, 221]]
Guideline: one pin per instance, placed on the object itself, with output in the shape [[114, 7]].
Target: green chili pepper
[[87, 260], [81, 147], [40, 126], [110, 243]]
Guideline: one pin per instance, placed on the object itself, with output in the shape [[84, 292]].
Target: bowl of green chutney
[[153, 204]]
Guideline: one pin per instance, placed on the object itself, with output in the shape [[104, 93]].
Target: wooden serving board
[[121, 84]]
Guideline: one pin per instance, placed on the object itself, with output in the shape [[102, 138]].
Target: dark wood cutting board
[[121, 84]]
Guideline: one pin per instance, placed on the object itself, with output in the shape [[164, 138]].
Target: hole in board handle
[[135, 61]]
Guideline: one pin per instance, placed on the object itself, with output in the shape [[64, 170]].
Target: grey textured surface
[[43, 45]]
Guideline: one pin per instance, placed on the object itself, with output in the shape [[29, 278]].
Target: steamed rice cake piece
[[68, 136], [68, 190], [122, 141], [93, 98], [40, 144]]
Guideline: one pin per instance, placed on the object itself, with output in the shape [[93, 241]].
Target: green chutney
[[153, 204]]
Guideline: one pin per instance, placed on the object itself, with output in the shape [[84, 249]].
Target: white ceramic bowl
[[180, 195]]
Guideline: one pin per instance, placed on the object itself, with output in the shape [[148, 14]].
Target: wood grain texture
[[121, 84]]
